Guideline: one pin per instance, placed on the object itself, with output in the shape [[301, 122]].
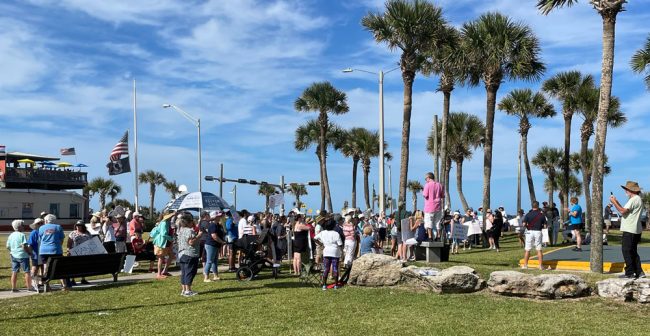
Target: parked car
[[616, 220]]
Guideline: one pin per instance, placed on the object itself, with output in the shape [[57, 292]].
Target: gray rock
[[376, 270], [625, 289], [545, 286], [416, 278], [457, 279]]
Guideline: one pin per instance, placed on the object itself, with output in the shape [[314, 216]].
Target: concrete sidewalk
[[122, 278]]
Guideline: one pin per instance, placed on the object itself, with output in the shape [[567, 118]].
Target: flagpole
[[135, 147]]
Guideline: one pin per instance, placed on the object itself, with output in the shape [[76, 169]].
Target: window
[[74, 210], [54, 209], [27, 210]]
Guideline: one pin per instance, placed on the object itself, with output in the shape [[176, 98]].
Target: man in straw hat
[[631, 228]]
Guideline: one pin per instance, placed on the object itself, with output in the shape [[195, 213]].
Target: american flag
[[68, 151], [3, 148], [122, 147]]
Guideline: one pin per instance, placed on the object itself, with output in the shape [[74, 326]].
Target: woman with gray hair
[[50, 242], [188, 252], [19, 253]]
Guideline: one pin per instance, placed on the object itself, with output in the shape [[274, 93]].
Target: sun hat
[[17, 223], [168, 216], [456, 213], [361, 215], [632, 186], [250, 218], [79, 223], [137, 214], [97, 214], [37, 222], [216, 213]]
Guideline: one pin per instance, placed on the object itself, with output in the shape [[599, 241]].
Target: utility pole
[[234, 192], [282, 186], [221, 182]]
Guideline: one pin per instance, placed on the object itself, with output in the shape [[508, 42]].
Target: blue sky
[[67, 69]]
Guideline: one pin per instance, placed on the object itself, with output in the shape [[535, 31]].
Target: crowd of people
[[331, 240]]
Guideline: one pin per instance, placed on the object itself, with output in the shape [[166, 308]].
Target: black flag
[[118, 167]]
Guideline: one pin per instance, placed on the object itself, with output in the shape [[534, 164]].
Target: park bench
[[64, 267], [432, 252]]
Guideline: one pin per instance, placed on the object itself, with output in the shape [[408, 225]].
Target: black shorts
[[382, 233], [575, 227]]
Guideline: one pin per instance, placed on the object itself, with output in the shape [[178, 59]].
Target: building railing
[[44, 176]]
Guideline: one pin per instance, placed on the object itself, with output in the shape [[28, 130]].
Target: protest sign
[[406, 230], [460, 231], [89, 247]]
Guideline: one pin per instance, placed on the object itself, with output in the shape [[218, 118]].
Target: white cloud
[[127, 49], [24, 60]]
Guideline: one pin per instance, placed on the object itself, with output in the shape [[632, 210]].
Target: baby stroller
[[254, 259]]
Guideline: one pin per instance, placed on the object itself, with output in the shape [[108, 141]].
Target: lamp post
[[197, 124], [381, 130]]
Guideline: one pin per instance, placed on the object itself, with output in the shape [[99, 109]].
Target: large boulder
[[375, 270], [545, 286], [625, 289], [417, 278], [456, 279]]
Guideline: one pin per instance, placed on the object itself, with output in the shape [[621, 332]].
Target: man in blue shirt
[[575, 223]]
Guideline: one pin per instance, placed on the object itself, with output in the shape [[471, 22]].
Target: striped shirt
[[348, 231]]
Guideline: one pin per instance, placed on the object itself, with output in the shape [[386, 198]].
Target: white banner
[[545, 237], [406, 230], [474, 227], [276, 200], [89, 247]]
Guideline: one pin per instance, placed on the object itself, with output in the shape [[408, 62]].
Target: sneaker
[[35, 285], [625, 276], [276, 265], [577, 249], [216, 278], [32, 290], [207, 280], [84, 282], [411, 258], [324, 288], [336, 287], [192, 293], [641, 276], [524, 267], [14, 290], [185, 294], [167, 274]]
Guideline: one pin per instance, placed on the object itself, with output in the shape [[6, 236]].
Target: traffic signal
[[242, 181], [313, 183]]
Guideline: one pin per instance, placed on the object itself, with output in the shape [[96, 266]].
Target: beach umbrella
[[64, 164], [80, 165], [198, 200], [48, 163], [26, 161]]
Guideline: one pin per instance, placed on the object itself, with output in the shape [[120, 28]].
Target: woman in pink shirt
[[349, 232]]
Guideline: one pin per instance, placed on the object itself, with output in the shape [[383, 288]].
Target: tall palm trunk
[[322, 183], [565, 162], [266, 203], [551, 178], [323, 120], [415, 201], [355, 165], [446, 185], [519, 175], [446, 92], [609, 29], [102, 200], [366, 187], [529, 174], [491, 88], [408, 77], [152, 196], [586, 175], [459, 184]]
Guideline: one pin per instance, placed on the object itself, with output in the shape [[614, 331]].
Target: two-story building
[[31, 184]]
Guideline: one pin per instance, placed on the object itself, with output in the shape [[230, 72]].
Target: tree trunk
[[446, 185], [102, 200], [459, 184], [565, 163], [529, 174], [519, 175], [355, 164], [551, 178], [415, 201], [322, 183], [407, 77], [596, 257], [322, 119], [491, 89], [366, 188], [152, 195], [266, 200], [586, 178], [443, 141]]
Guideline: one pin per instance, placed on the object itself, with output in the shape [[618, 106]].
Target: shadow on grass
[[119, 309], [287, 284], [106, 285], [232, 289]]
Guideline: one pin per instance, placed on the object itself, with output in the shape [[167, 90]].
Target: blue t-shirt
[[216, 229], [231, 228], [32, 241], [366, 244], [50, 239], [577, 219], [15, 244]]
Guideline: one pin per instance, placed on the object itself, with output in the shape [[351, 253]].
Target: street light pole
[[381, 132], [197, 124]]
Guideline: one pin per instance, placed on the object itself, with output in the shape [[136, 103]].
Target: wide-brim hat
[[168, 216], [632, 186], [37, 222]]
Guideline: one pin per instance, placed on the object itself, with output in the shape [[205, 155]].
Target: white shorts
[[431, 218], [533, 238]]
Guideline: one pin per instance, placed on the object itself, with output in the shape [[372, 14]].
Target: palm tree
[[608, 10], [114, 191], [102, 187], [524, 104], [323, 98], [297, 190], [412, 27], [499, 49], [266, 190], [154, 179], [588, 109], [308, 135], [415, 187], [123, 203], [548, 159], [576, 163], [566, 87], [641, 61], [348, 146], [172, 188], [367, 143], [574, 186], [465, 133], [447, 61]]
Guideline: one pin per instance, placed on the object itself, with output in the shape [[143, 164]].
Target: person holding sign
[[456, 232], [77, 237], [534, 221]]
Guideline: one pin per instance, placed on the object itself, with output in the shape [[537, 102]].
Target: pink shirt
[[433, 193]]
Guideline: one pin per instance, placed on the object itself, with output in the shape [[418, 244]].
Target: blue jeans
[[211, 257]]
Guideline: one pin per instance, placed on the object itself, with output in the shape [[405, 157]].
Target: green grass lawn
[[285, 307]]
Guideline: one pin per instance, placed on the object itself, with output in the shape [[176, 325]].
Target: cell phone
[[611, 193]]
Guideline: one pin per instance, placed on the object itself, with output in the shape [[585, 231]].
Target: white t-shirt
[[109, 232], [240, 227], [332, 241]]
